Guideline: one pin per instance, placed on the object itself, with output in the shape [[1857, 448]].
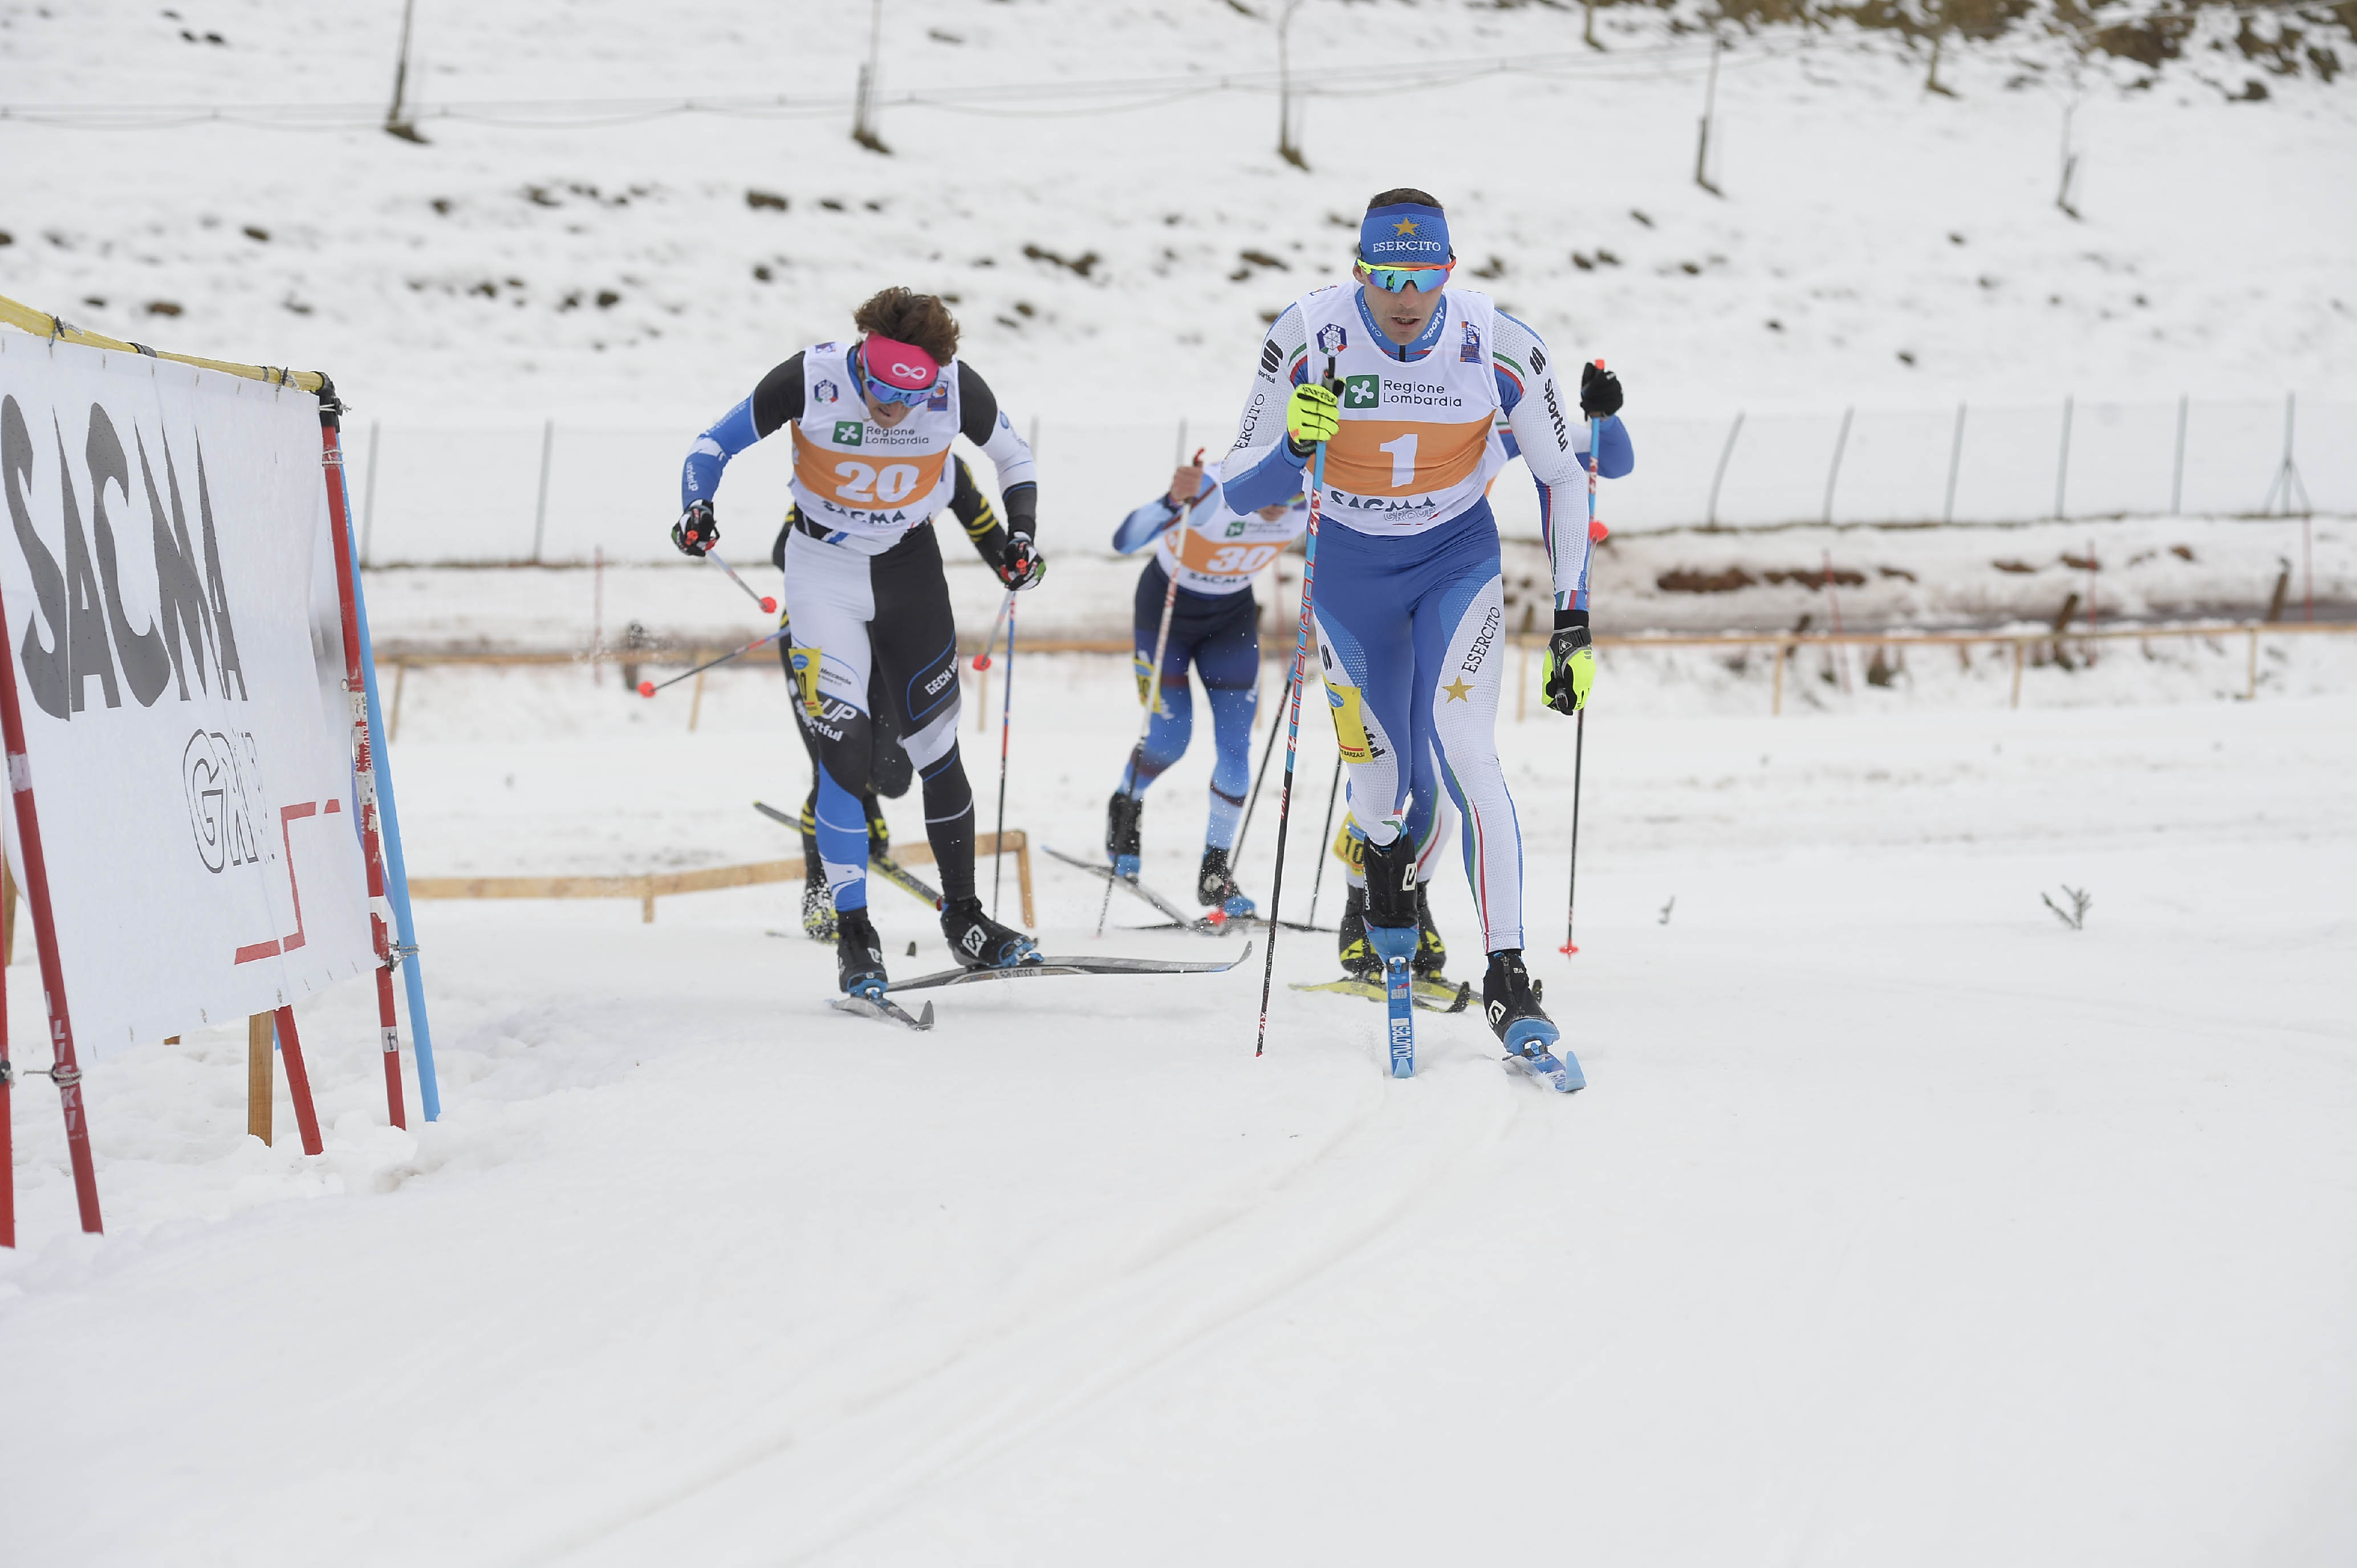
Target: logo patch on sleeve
[[1272, 358]]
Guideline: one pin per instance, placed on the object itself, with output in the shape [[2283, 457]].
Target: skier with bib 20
[[1211, 554], [872, 422], [1409, 596]]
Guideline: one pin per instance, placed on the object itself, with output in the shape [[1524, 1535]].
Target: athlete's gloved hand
[[1020, 565], [1599, 392], [1568, 672], [1310, 417], [696, 529]]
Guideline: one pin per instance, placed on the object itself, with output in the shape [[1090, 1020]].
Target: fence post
[[2062, 463], [2251, 683], [1710, 513], [368, 495], [1833, 473], [1776, 695], [2017, 673], [1956, 462], [2177, 473], [540, 508]]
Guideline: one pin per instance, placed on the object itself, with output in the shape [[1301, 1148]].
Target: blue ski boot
[[980, 942], [1123, 845], [858, 955], [1511, 1003]]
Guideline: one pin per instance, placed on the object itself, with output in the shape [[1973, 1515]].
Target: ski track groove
[[1008, 1405]]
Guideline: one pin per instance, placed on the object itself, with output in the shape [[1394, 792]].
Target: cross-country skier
[[872, 425], [1409, 596], [1214, 553], [889, 774]]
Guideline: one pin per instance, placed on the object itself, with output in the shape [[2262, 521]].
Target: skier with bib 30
[[1409, 598], [1210, 555], [872, 424]]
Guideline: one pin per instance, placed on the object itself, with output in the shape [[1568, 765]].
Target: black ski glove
[[1020, 565], [1599, 392], [696, 529]]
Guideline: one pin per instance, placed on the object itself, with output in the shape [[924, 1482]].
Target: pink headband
[[902, 365]]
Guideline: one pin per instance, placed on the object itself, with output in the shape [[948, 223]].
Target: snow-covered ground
[[1899, 1223]]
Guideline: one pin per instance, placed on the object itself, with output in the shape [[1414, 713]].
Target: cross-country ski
[[1047, 967]]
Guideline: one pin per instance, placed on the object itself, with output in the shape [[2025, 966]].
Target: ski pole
[[1579, 718], [649, 688], [1006, 729], [1293, 730], [769, 605], [1145, 724], [982, 659], [1325, 837]]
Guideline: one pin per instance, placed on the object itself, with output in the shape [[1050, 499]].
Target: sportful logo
[[849, 432], [1272, 358], [1332, 339], [78, 630], [1362, 392]]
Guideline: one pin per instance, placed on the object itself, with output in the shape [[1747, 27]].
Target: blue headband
[[1407, 234]]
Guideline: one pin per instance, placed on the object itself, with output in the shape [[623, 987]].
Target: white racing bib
[[1414, 449], [1211, 550], [864, 485]]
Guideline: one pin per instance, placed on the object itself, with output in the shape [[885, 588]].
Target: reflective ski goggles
[[1394, 280], [884, 391]]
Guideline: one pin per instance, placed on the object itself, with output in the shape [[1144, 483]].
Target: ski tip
[[646, 688]]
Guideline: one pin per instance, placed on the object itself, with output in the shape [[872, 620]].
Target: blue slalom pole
[[1293, 731], [396, 866]]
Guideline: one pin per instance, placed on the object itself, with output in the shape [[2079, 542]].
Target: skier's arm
[[1540, 419], [776, 399], [983, 423], [1145, 525], [974, 512], [1262, 468]]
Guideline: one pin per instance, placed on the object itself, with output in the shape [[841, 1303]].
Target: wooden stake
[[258, 1075]]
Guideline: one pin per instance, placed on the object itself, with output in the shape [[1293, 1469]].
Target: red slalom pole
[[7, 1133], [363, 750], [65, 1070], [298, 1080]]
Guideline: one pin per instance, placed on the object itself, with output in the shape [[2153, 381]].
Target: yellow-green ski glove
[[1310, 417], [1568, 672]]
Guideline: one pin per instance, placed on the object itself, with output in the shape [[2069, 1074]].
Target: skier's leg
[[1227, 657], [1432, 822], [1171, 728], [831, 600], [1365, 626], [1459, 654]]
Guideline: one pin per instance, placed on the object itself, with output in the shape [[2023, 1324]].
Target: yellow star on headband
[[1457, 690], [1404, 226]]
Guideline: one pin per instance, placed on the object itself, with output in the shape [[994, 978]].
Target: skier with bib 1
[[1211, 553], [1409, 598], [872, 422]]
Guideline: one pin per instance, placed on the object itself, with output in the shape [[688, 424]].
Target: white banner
[[171, 603]]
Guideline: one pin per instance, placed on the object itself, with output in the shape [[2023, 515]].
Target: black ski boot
[[1122, 841], [1511, 1003], [1391, 898], [1215, 885], [1431, 953], [858, 955], [978, 942], [1359, 960]]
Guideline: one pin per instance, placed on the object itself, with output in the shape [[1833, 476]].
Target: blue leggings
[[1219, 634]]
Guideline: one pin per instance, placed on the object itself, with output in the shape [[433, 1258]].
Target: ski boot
[[1121, 840], [1215, 885], [858, 955], [980, 942], [1392, 904], [1359, 960], [1431, 953], [1511, 1003]]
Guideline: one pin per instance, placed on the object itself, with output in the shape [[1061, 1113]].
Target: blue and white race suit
[[1409, 596]]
